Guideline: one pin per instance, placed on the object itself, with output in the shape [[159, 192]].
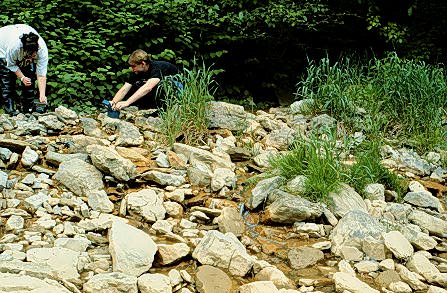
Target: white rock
[[398, 244], [132, 250], [345, 281], [154, 283]]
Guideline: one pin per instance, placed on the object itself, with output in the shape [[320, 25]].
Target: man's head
[[139, 61], [30, 43]]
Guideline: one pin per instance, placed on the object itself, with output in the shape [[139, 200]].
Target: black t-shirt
[[157, 69]]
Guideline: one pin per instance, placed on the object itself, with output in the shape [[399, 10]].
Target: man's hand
[[26, 80], [120, 105], [43, 99]]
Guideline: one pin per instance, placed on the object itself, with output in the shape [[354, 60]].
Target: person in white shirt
[[23, 55]]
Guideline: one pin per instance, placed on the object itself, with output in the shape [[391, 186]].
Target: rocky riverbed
[[95, 204]]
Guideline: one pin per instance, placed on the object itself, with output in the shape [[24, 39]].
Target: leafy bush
[[90, 40]]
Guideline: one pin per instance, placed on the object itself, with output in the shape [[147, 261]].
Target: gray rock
[[229, 116], [353, 228], [55, 159], [304, 257], [263, 188], [79, 176], [434, 225], [423, 199], [288, 209], [111, 163], [345, 200]]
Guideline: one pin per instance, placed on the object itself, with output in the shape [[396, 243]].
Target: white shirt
[[11, 49]]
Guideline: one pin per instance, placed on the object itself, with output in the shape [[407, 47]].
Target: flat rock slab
[[212, 280]]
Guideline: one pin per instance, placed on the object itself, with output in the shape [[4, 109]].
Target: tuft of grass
[[318, 159], [184, 115], [368, 169], [401, 99], [332, 87]]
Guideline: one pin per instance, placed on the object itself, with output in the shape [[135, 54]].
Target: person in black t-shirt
[[141, 89]]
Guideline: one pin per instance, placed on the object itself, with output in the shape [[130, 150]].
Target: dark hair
[[30, 42]]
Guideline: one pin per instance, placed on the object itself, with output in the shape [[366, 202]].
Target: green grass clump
[[184, 116], [318, 159], [321, 159], [368, 169], [385, 98]]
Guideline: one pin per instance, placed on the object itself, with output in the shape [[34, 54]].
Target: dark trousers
[[8, 87]]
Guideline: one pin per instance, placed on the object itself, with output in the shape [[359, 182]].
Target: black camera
[[40, 107]]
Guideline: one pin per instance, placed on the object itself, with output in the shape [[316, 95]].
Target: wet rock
[[303, 257]]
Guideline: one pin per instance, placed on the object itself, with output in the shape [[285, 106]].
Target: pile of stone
[[99, 205]]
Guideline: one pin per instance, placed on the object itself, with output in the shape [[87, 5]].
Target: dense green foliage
[[368, 170], [259, 47], [89, 41]]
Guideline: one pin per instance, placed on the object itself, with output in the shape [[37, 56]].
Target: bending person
[[141, 88], [23, 55]]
